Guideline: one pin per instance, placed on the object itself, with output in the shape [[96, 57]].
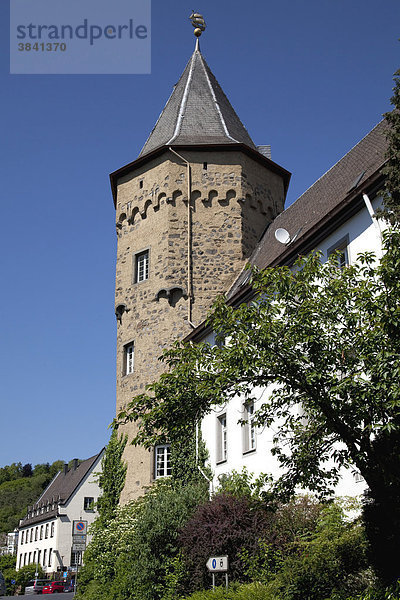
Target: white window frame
[[88, 503], [249, 428], [142, 265], [222, 439], [129, 358], [162, 461]]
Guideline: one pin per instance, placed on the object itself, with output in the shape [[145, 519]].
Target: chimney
[[65, 468], [75, 464], [265, 151]]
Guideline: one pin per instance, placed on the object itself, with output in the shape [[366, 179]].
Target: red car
[[53, 587]]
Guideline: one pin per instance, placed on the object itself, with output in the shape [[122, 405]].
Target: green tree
[[112, 477], [26, 574], [110, 527], [392, 169], [326, 340]]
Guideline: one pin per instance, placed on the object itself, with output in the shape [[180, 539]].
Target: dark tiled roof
[[336, 188], [197, 112], [60, 489]]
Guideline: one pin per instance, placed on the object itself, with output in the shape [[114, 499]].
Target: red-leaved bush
[[224, 526]]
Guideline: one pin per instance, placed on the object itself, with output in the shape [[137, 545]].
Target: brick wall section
[[233, 200]]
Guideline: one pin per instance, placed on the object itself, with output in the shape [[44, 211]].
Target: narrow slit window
[[129, 358]]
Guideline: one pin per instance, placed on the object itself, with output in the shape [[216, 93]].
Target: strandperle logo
[[84, 31], [57, 37]]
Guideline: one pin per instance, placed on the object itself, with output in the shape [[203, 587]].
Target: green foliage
[[137, 555], [149, 566], [184, 462], [111, 528], [330, 341], [331, 562], [253, 591], [20, 486], [112, 477], [244, 485], [15, 496], [392, 169], [7, 567], [26, 574]]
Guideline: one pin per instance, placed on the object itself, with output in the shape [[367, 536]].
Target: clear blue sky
[[310, 78]]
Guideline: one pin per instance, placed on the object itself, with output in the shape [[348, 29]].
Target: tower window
[[141, 266], [205, 166], [162, 461], [129, 356], [141, 183]]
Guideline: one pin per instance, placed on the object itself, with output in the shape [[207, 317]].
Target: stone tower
[[189, 212]]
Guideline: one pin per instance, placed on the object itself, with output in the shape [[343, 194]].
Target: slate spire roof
[[197, 112]]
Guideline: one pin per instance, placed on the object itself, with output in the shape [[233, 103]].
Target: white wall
[[61, 541], [362, 236]]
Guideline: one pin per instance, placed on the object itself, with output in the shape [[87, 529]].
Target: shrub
[[224, 526], [252, 591], [331, 562]]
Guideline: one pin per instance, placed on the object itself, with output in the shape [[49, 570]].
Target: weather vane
[[198, 23]]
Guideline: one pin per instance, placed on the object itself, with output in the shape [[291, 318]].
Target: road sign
[[81, 547], [217, 564], [78, 538], [79, 527]]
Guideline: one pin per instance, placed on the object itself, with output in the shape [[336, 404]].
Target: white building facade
[[332, 215], [46, 533]]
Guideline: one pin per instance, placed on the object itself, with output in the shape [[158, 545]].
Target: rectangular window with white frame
[[222, 439], [141, 266], [129, 358], [162, 461], [249, 428], [341, 252], [88, 503]]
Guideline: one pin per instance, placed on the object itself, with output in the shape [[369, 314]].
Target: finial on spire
[[198, 23]]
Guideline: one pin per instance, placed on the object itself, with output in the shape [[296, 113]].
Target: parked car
[[69, 587], [35, 586], [2, 585], [53, 587]]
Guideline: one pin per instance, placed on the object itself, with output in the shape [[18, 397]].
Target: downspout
[[210, 481], [374, 219], [189, 237]]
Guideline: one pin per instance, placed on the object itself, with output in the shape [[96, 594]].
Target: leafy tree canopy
[[325, 340]]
